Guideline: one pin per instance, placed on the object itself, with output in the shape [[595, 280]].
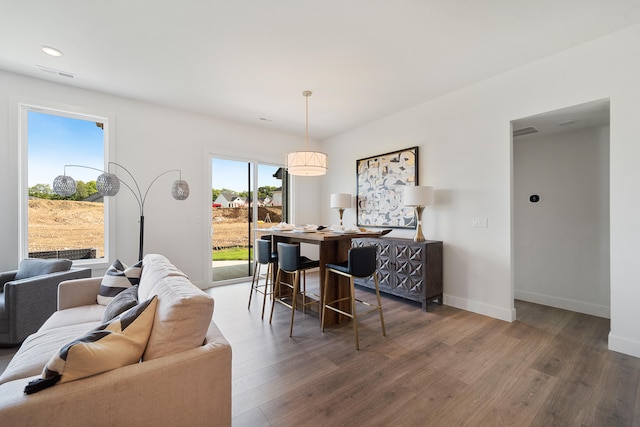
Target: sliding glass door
[[244, 195]]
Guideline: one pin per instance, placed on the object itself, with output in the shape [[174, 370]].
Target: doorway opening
[[245, 195], [560, 208]]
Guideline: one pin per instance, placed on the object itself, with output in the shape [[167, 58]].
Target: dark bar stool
[[262, 256], [361, 263], [290, 261]]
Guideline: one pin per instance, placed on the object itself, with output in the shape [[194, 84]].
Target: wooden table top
[[317, 236]]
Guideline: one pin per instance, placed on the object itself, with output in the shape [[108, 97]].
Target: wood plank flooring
[[446, 367]]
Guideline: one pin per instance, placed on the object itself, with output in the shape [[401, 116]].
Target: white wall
[[561, 243], [464, 139], [149, 139], [465, 153]]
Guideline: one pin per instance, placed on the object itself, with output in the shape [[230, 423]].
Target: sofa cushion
[[31, 267], [71, 316], [155, 267], [182, 317], [36, 350], [112, 345], [121, 303], [118, 278]]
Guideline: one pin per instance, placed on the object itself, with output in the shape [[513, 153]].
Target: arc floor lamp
[[108, 185]]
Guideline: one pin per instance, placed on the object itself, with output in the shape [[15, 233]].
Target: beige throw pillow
[[112, 345], [182, 318]]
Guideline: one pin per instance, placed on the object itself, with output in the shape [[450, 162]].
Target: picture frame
[[380, 180]]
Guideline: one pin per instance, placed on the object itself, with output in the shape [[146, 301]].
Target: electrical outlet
[[480, 222]]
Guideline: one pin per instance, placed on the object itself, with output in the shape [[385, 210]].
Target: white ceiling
[[570, 119], [250, 60]]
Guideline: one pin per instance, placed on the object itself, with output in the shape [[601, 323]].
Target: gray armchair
[[29, 296]]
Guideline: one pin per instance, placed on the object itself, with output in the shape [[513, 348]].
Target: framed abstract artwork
[[380, 180]]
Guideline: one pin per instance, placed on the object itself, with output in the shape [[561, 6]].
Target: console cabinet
[[408, 269]]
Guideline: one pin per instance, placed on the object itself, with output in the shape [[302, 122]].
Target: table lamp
[[419, 197], [340, 201]]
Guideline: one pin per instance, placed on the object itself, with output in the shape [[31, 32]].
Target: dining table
[[333, 248]]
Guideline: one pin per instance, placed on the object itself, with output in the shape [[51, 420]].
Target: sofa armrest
[[7, 276], [79, 292], [190, 388]]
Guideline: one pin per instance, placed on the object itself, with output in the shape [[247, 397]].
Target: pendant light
[[307, 163]]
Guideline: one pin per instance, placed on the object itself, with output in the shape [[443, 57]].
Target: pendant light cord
[[306, 94]]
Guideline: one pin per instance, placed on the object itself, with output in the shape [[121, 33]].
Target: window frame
[[108, 121]]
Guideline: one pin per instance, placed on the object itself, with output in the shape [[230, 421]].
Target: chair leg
[[353, 311], [256, 274], [375, 280], [296, 285], [323, 309], [304, 292], [276, 291], [266, 288]]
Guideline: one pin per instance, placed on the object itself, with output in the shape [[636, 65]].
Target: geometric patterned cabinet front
[[408, 269]]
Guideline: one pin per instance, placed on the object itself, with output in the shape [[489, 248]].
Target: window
[[53, 143]]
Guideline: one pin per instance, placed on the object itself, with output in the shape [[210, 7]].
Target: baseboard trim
[[508, 315], [624, 345], [565, 304]]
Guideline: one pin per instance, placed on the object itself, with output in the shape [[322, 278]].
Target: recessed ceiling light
[[51, 51], [567, 122]]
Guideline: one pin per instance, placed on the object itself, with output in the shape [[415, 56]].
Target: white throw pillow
[[118, 278]]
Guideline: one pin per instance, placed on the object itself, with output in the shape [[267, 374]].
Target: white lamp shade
[[418, 195], [341, 200], [307, 163]]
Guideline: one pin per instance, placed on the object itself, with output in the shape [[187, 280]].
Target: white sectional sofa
[[183, 379]]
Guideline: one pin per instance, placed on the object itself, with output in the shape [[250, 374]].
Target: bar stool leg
[[296, 285], [256, 274], [304, 292], [353, 311], [375, 280], [324, 299], [266, 287], [276, 291]]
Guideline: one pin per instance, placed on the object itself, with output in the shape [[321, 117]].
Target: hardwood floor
[[447, 367]]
